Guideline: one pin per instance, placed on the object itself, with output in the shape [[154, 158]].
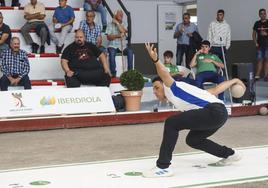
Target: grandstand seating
[[47, 66]]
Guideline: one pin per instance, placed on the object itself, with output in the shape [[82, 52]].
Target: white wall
[[240, 14], [144, 18]]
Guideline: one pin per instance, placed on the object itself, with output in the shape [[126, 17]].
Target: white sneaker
[[229, 160], [158, 173]]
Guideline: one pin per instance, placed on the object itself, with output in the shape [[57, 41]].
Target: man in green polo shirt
[[207, 65]]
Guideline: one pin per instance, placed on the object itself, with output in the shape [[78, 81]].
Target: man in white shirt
[[219, 35], [201, 113]]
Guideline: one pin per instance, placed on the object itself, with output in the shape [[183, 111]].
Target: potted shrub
[[133, 81]]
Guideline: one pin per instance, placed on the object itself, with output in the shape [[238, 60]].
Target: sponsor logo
[[48, 101], [19, 104], [79, 100], [69, 100], [201, 57], [18, 100]]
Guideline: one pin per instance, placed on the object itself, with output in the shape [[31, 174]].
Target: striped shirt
[[187, 97], [15, 63], [219, 33], [91, 34]]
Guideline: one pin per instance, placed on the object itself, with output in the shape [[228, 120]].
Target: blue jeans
[[112, 53], [25, 81], [262, 53], [209, 76], [100, 8]]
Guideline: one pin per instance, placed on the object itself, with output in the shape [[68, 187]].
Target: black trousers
[[202, 123], [181, 50], [25, 81], [95, 77]]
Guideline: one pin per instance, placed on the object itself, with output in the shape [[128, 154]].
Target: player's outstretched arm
[[225, 85], [161, 69]]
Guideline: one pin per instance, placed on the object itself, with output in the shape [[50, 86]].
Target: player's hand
[[151, 51], [240, 83]]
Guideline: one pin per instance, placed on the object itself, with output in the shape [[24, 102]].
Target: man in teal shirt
[[207, 65]]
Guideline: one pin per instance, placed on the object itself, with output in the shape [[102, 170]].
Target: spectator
[[219, 35], [80, 63], [34, 13], [260, 38], [207, 65], [63, 19], [5, 34], [15, 66], [96, 5], [116, 34], [172, 69], [14, 3], [92, 30], [183, 32]]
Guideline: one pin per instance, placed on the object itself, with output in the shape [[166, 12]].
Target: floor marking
[[191, 170], [228, 182]]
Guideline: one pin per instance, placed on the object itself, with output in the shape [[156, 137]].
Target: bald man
[[116, 35], [84, 63]]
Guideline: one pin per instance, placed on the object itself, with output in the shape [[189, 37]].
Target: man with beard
[[84, 63], [15, 66]]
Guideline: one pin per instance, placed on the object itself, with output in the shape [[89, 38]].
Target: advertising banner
[[55, 101]]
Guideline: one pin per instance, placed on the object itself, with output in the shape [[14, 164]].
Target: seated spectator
[[116, 34], [207, 65], [15, 66], [5, 35], [63, 19], [14, 3], [96, 5], [81, 65], [92, 30], [34, 13], [172, 69]]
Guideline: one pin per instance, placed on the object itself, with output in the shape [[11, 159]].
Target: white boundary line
[[117, 160]]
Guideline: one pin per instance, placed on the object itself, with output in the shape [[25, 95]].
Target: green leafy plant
[[132, 80]]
